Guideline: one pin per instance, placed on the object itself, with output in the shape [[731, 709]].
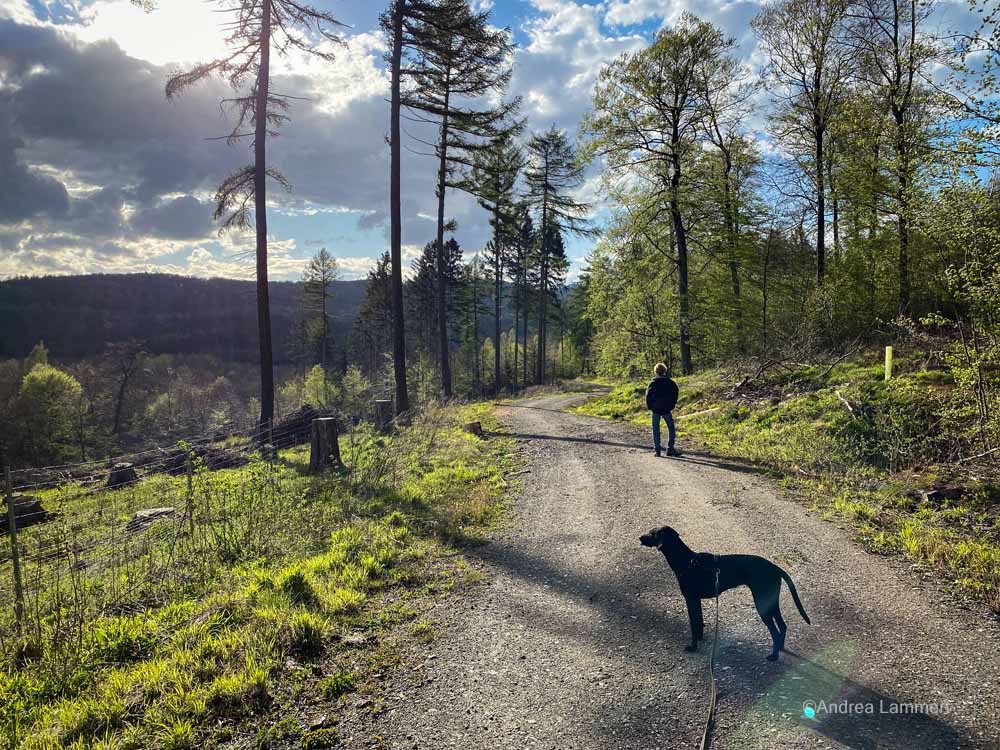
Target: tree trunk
[[729, 209], [497, 304], [402, 401], [260, 215], [903, 215], [543, 284], [820, 210], [517, 326], [442, 281], [763, 290], [324, 344], [680, 235], [325, 445], [524, 343], [836, 210], [478, 381]]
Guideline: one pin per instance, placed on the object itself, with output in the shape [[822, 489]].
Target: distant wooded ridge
[[77, 316]]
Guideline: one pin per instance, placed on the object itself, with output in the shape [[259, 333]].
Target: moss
[[320, 739], [334, 687]]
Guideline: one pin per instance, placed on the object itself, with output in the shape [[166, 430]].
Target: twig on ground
[[845, 402]]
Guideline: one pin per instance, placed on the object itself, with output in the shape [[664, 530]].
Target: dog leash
[[706, 735]]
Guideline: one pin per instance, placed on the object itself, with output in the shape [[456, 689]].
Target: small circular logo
[[809, 709]]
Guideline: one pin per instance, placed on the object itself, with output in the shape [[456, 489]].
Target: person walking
[[661, 398]]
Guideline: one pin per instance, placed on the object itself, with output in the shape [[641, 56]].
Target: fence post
[[190, 493], [888, 363], [14, 554]]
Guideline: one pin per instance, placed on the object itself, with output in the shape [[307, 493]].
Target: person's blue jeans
[[671, 430]]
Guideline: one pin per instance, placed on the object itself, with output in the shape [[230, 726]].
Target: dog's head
[[659, 538]]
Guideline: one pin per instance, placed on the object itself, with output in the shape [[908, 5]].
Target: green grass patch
[[281, 567]]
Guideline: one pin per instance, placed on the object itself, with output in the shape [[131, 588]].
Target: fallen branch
[[839, 359], [980, 455]]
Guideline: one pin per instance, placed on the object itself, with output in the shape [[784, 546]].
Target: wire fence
[[105, 537]]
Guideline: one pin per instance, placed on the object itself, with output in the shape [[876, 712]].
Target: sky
[[101, 173]]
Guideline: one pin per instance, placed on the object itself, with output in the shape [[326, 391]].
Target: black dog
[[696, 574]]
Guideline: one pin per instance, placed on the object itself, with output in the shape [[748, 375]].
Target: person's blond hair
[[660, 369]]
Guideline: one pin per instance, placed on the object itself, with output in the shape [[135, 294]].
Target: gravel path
[[576, 640]]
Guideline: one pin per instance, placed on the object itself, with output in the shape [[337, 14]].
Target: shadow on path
[[700, 459], [776, 692]]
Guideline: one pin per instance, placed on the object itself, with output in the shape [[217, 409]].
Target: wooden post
[[325, 445], [190, 493], [14, 553], [888, 363]]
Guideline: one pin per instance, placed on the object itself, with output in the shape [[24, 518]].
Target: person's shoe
[[658, 453], [673, 452]]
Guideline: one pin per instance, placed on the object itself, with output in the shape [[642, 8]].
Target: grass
[[855, 448], [284, 571]]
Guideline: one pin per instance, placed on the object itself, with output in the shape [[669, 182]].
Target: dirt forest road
[[576, 640]]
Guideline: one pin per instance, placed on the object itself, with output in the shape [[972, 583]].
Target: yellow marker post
[[888, 363]]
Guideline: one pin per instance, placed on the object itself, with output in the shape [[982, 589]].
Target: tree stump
[[325, 449], [28, 511], [122, 474], [383, 414], [474, 428]]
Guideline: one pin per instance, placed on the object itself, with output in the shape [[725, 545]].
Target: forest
[[838, 197]]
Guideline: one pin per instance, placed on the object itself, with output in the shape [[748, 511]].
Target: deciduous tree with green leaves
[[648, 123]]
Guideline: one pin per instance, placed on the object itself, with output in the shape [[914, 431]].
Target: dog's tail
[[795, 596]]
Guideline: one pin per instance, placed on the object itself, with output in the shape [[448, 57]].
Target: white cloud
[[19, 11], [566, 49], [631, 12]]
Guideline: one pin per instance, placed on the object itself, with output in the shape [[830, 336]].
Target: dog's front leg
[[697, 621]]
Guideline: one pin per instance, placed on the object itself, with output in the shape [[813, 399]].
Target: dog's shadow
[[811, 696]]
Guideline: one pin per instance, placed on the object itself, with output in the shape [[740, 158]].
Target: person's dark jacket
[[661, 395]]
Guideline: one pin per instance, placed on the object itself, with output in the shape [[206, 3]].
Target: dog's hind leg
[[697, 620], [782, 627], [766, 603]]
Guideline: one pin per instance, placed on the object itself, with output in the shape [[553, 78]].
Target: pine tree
[[553, 173], [521, 262], [494, 177], [317, 281], [372, 334], [460, 58], [256, 27]]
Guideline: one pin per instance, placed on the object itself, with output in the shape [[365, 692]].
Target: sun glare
[[178, 31]]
